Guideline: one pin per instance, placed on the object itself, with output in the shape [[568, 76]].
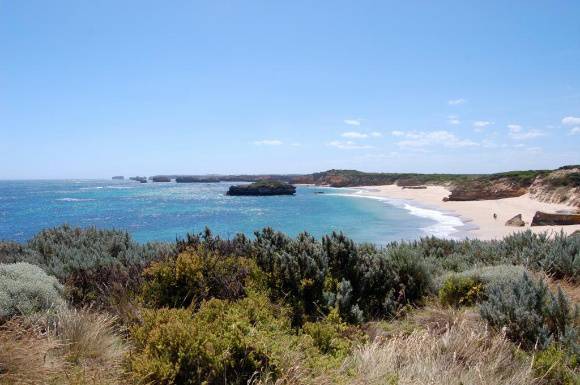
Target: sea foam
[[446, 226]]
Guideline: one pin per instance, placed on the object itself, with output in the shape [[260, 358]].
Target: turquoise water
[[164, 211]]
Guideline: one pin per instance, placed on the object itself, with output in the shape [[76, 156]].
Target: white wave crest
[[75, 199], [446, 226]]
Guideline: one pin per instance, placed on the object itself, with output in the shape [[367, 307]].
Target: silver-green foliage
[[26, 289], [530, 314], [64, 250], [488, 275]]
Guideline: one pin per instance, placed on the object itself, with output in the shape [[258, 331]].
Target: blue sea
[[166, 211]]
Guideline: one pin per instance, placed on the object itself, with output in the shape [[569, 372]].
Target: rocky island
[[262, 188]]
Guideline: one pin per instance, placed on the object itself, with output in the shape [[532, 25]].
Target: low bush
[[460, 291], [332, 336], [224, 342], [196, 276], [26, 289], [556, 366], [295, 271], [63, 250], [530, 314]]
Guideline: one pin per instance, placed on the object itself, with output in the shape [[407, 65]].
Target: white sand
[[477, 213]]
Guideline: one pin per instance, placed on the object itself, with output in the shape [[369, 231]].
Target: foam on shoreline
[[446, 225]]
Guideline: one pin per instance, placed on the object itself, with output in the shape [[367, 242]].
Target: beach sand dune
[[479, 214]]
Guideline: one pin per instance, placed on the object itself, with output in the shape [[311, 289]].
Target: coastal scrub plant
[[64, 249], [531, 315], [26, 289], [223, 342], [460, 291], [195, 276]]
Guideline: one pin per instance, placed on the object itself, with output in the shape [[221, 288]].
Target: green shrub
[[460, 291], [193, 277], [557, 366], [295, 271], [332, 336], [63, 250], [26, 289], [530, 314], [224, 342]]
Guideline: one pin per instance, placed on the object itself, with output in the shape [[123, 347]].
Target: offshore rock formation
[[195, 179], [263, 188], [119, 177], [161, 179], [140, 179], [547, 219], [516, 221]]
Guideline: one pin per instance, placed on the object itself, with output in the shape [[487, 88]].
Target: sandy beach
[[477, 215]]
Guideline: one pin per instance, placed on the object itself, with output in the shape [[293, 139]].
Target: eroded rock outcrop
[[559, 186], [485, 190], [548, 219], [516, 221]]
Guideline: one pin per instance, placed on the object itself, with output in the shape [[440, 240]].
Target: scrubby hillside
[[92, 306], [561, 185]]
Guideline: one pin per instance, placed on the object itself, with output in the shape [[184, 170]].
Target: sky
[[95, 88]]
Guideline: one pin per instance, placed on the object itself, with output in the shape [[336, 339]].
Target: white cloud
[[376, 134], [575, 130], [455, 102], [518, 133], [453, 119], [354, 135], [347, 145], [571, 121], [444, 138], [268, 142], [352, 122], [398, 133], [482, 123]]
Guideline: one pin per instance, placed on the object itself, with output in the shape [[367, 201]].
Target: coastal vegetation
[[84, 306]]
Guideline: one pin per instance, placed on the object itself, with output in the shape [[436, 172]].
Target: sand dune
[[478, 214]]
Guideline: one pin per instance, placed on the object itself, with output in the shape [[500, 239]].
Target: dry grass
[[91, 346], [26, 354], [463, 352], [72, 347]]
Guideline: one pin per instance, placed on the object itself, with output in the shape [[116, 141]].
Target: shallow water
[[164, 211]]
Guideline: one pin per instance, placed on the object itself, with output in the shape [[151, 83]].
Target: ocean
[[166, 211]]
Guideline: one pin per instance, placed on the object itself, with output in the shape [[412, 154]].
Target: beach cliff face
[[560, 186]]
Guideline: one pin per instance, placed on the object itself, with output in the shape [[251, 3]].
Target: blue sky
[[100, 88]]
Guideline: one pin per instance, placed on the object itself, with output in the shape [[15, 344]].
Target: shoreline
[[476, 216]]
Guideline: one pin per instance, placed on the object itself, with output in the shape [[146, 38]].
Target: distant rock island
[[262, 188], [164, 179], [140, 179], [195, 179], [119, 177]]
